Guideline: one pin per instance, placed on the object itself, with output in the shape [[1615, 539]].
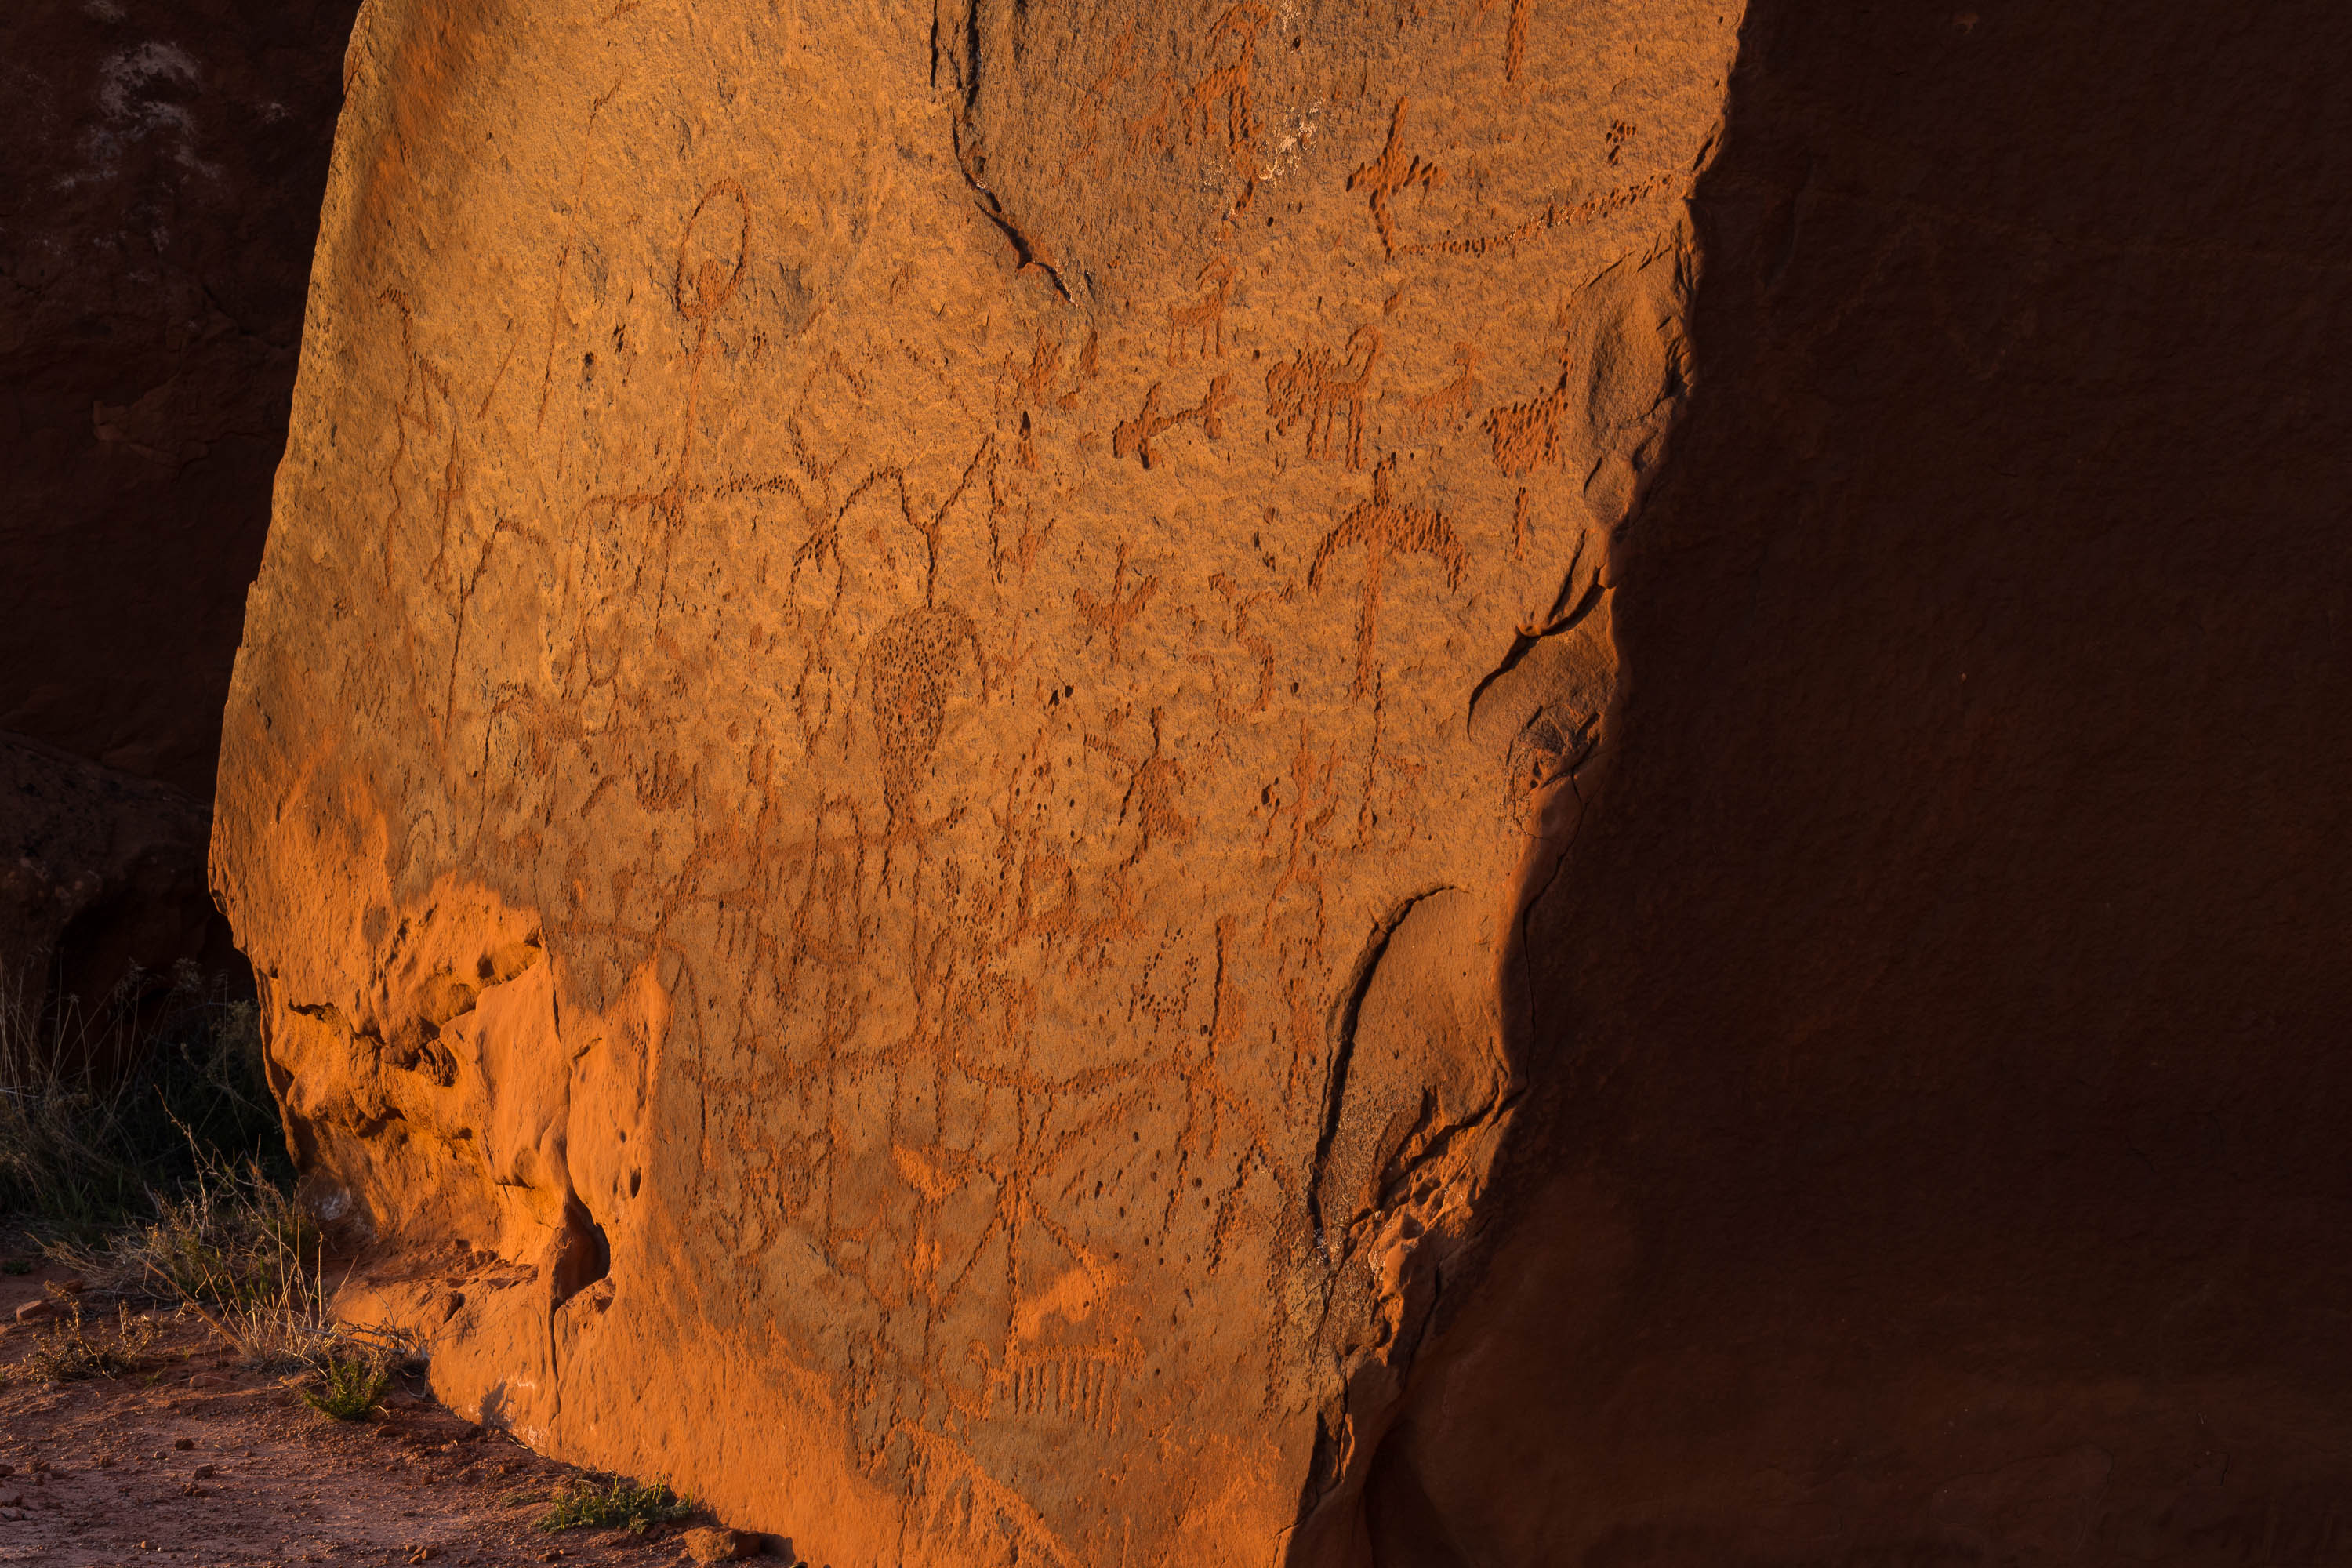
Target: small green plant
[[71, 1352], [616, 1505], [350, 1387], [18, 1266]]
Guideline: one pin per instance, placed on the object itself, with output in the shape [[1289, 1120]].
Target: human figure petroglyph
[[908, 666], [1385, 527], [712, 252], [1113, 615], [1515, 36]]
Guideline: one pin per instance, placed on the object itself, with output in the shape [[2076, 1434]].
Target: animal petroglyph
[[1527, 435], [1554, 216], [1203, 321], [1313, 390], [1224, 91], [1392, 172], [1448, 406], [1134, 438]]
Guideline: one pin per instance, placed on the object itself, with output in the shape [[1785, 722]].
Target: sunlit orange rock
[[910, 676]]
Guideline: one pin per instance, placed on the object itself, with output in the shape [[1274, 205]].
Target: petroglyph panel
[[872, 628]]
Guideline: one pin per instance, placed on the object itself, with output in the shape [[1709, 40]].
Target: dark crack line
[[985, 199], [1022, 246]]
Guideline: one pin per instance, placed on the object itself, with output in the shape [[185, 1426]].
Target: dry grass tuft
[[350, 1388], [169, 1183], [100, 1111], [70, 1352]]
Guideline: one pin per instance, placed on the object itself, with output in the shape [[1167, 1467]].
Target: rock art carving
[[1313, 391], [1133, 438], [1383, 528], [1203, 321], [1393, 171], [855, 839]]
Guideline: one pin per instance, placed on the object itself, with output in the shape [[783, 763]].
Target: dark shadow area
[[583, 1254], [157, 210], [1935, 1145]]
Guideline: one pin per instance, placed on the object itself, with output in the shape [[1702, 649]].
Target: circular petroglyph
[[711, 256]]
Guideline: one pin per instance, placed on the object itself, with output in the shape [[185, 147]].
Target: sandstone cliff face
[[913, 673]]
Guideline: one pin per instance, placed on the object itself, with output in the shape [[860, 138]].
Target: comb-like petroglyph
[[815, 773]]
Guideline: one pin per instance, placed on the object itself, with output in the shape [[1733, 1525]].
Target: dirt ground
[[192, 1460]]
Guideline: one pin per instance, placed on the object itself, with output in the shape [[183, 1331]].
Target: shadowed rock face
[[102, 888], [919, 771], [158, 209], [1933, 1147], [909, 677]]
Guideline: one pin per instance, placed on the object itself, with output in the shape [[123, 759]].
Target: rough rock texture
[[158, 209], [921, 770], [909, 675], [1934, 1151], [99, 873]]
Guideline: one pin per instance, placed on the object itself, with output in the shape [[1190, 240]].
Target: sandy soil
[[192, 1460]]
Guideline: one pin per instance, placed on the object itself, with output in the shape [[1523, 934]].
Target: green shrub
[[616, 1505], [351, 1386]]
